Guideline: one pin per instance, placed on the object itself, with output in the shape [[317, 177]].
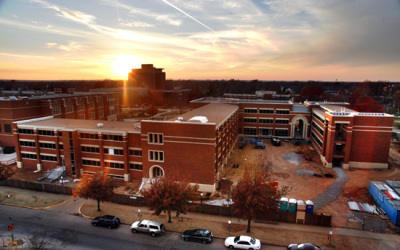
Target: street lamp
[[229, 226], [62, 181], [139, 214], [201, 198]]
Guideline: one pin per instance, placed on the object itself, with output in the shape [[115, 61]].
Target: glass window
[[156, 156], [7, 128], [250, 131], [155, 138], [250, 110], [282, 111], [281, 132]]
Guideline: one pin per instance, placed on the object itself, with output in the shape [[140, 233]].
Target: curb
[[15, 205]]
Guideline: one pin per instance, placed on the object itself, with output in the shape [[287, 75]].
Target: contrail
[[194, 19]]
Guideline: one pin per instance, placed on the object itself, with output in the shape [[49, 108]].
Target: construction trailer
[[387, 198]]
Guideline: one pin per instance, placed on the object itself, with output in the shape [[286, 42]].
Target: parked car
[[242, 242], [275, 141], [109, 221], [147, 226], [304, 246], [200, 235]]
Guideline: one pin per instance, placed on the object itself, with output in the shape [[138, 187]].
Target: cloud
[[136, 24], [73, 15], [140, 12], [71, 46]]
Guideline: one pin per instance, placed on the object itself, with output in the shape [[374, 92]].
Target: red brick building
[[195, 145], [350, 139], [84, 106], [343, 137]]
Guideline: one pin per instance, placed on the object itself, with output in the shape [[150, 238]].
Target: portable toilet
[[309, 207], [284, 204], [301, 212], [292, 205]]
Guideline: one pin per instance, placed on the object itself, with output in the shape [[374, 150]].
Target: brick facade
[[84, 106]]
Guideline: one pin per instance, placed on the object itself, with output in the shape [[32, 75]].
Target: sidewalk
[[280, 234]]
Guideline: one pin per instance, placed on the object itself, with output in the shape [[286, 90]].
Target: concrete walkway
[[333, 191]]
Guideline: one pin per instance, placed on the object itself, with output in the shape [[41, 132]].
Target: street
[[67, 231]]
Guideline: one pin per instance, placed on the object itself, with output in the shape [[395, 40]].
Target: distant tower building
[[148, 77]]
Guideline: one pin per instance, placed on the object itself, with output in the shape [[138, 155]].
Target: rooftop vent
[[201, 119], [100, 125]]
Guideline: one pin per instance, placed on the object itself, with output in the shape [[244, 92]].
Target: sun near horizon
[[123, 64]]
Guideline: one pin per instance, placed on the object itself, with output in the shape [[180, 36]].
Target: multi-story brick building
[[84, 106], [350, 139], [195, 145], [343, 137]]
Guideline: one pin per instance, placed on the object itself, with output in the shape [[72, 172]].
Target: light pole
[[139, 214], [229, 226], [201, 198], [62, 181]]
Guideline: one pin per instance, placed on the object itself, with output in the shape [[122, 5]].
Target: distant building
[[147, 77], [80, 105]]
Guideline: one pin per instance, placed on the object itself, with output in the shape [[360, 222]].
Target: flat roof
[[237, 100], [335, 108], [50, 123], [215, 113]]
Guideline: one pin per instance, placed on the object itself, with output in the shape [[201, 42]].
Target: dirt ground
[[304, 187], [308, 187]]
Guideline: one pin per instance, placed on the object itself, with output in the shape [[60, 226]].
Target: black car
[[106, 221], [304, 246], [200, 235]]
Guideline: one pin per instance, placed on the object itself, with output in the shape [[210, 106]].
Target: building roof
[[51, 123], [214, 113], [300, 108], [236, 101], [48, 95], [335, 108]]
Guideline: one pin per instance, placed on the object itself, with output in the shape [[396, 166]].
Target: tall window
[[81, 106], [56, 110], [155, 138], [70, 108], [156, 156], [7, 128]]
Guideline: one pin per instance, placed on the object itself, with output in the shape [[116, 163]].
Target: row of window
[[111, 151], [40, 132], [42, 157], [114, 165], [315, 137], [70, 108], [32, 144], [106, 137], [319, 118], [266, 111], [266, 120], [320, 130], [278, 132]]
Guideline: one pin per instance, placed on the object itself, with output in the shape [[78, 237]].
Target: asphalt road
[[65, 231]]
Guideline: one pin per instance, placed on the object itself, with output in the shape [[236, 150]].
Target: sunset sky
[[347, 40]]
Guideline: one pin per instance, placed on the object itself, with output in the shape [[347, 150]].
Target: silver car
[[147, 226]]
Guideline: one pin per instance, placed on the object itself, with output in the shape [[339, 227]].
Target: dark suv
[[106, 221]]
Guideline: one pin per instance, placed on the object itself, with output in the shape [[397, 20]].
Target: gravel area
[[333, 191], [293, 158], [304, 171]]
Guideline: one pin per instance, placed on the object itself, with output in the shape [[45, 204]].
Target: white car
[[243, 242]]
